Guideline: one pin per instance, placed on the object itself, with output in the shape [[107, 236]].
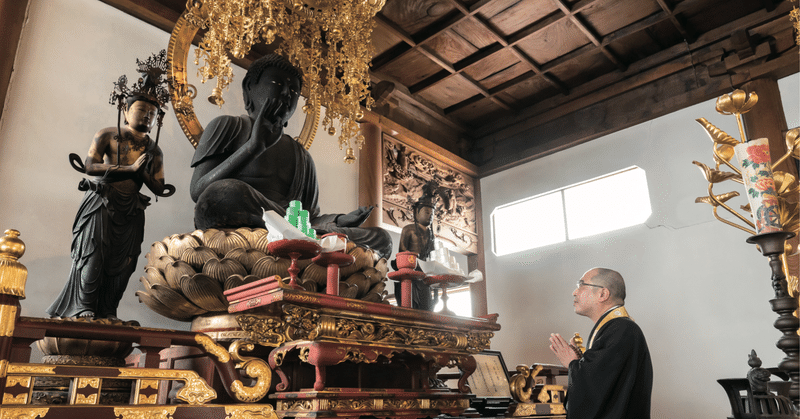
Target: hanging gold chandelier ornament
[[328, 40]]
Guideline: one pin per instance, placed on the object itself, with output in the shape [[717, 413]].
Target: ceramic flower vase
[[756, 166]]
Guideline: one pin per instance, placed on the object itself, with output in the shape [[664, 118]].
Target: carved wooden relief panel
[[405, 172]]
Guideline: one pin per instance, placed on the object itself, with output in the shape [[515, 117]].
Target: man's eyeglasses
[[581, 283]]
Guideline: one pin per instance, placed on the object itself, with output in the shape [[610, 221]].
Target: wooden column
[[767, 120], [370, 173], [12, 19]]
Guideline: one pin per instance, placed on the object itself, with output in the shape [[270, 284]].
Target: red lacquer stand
[[295, 250], [443, 282], [333, 261], [405, 276]]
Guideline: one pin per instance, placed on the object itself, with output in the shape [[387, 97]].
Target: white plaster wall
[[699, 292], [70, 53]]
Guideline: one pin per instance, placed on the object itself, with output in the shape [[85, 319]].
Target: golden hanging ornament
[[329, 41]]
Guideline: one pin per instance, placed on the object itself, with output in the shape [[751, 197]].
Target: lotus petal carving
[[234, 281], [376, 293], [360, 281], [175, 271], [220, 270], [153, 276], [309, 285], [160, 308], [363, 259], [348, 290], [163, 261], [261, 244], [316, 273], [205, 235], [373, 275], [157, 250], [204, 291], [175, 301], [252, 234], [247, 257], [382, 266], [225, 240], [196, 257], [177, 243], [270, 265]]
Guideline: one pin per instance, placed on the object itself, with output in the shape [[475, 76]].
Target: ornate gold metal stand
[[772, 245]]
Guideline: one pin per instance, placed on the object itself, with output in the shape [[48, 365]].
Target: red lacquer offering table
[[345, 358]]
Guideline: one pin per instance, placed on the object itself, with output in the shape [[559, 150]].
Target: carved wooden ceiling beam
[[687, 34], [589, 33]]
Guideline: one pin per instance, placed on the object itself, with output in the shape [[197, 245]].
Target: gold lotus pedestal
[[338, 357]]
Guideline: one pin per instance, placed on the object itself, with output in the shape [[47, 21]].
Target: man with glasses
[[613, 378]]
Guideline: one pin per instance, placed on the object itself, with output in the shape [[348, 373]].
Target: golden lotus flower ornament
[[737, 102]]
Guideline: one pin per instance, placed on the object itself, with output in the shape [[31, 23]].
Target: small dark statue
[[418, 238], [109, 227], [244, 164]]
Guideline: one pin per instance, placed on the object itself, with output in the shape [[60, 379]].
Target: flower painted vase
[[756, 166]]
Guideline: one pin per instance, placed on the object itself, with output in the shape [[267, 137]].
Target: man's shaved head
[[612, 281]]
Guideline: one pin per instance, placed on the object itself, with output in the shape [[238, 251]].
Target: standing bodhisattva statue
[[109, 228]]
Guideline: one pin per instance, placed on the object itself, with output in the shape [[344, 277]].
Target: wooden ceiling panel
[[414, 68], [577, 72], [665, 34], [554, 41], [451, 46], [415, 15], [607, 16], [450, 91], [518, 16], [495, 7], [705, 16], [474, 33], [478, 113], [492, 64], [635, 47], [531, 87], [383, 39], [508, 76]]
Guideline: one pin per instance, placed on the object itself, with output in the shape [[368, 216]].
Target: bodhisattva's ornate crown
[[152, 85]]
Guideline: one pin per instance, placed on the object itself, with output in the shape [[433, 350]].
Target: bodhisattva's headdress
[[151, 87]]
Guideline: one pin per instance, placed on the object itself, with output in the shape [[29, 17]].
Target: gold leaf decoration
[[737, 102], [717, 135], [220, 270]]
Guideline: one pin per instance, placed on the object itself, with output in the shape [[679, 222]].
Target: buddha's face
[[141, 116], [275, 83], [424, 215]]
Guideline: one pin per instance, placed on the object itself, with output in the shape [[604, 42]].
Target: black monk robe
[[614, 378]]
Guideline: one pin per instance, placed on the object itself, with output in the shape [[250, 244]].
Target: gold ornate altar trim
[[89, 379], [273, 331], [614, 314]]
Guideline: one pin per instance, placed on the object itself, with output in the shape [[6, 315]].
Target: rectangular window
[[614, 201]]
